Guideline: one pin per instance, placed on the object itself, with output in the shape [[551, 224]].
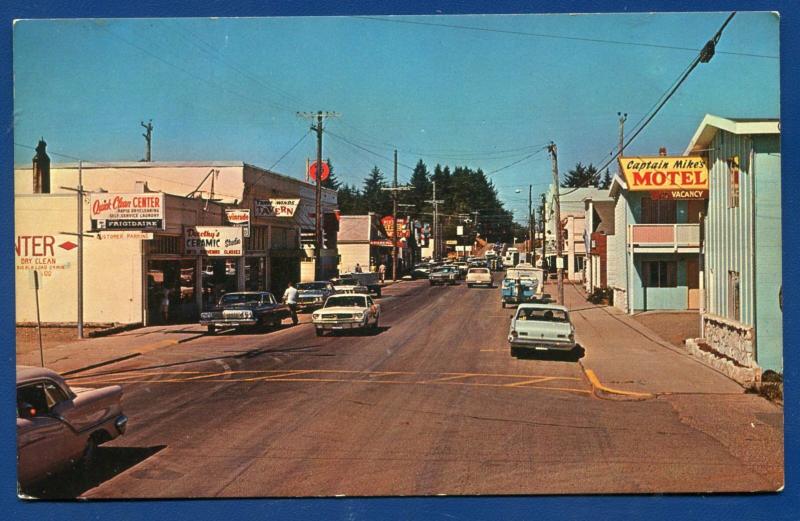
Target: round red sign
[[312, 171]]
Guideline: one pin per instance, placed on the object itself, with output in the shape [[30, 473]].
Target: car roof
[[27, 373], [247, 293], [554, 307], [348, 295]]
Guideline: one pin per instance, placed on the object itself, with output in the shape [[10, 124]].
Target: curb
[[101, 364], [603, 392]]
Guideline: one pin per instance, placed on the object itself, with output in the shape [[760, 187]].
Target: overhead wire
[[553, 36]]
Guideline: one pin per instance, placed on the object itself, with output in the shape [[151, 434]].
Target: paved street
[[431, 404]]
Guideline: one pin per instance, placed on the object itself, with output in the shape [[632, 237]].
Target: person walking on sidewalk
[[290, 299], [165, 305], [358, 268], [382, 272]]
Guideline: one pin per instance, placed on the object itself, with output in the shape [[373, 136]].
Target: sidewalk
[[75, 355], [626, 355]]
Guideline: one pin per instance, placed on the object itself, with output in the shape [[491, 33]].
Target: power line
[[516, 162], [366, 149], [553, 36]]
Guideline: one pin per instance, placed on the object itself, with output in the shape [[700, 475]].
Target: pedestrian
[[358, 268], [165, 305], [382, 272], [290, 299]]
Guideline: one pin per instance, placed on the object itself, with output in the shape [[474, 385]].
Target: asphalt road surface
[[432, 403]]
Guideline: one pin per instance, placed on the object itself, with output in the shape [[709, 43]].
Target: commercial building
[[654, 255], [573, 216], [599, 225], [742, 314], [126, 273], [366, 241]]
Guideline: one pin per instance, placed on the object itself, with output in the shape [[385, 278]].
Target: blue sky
[[484, 91]]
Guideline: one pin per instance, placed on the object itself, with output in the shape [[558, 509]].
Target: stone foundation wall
[[745, 376], [730, 338]]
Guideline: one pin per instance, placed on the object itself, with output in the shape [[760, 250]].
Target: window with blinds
[[658, 211]]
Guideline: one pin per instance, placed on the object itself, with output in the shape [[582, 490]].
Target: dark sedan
[[247, 308]]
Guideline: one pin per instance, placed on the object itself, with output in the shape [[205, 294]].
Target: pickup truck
[[59, 426], [246, 308], [368, 279], [521, 284]]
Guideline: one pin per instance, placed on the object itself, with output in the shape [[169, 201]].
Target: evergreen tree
[[581, 176], [350, 200], [331, 182], [421, 189], [375, 199], [605, 184]]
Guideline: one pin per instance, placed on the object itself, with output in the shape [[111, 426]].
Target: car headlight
[[315, 316], [572, 336], [513, 333], [363, 314]]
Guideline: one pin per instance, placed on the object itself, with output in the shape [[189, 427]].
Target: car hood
[[342, 309]]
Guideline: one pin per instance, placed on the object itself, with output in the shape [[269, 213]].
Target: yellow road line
[[456, 377], [599, 386], [351, 380], [534, 381]]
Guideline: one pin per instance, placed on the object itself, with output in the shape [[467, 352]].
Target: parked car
[[463, 267], [421, 271], [520, 284], [312, 295], [479, 277], [541, 327], [59, 426], [245, 308], [444, 275], [346, 312], [346, 284], [368, 279]]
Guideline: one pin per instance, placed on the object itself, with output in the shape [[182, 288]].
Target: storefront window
[[255, 273], [170, 290], [660, 274], [219, 277]]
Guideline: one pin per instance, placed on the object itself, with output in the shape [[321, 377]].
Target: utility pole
[[623, 117], [544, 234], [435, 202], [80, 193], [148, 137], [319, 116], [394, 189], [530, 221], [557, 202]]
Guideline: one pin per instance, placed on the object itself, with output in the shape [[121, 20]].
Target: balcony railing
[[672, 236]]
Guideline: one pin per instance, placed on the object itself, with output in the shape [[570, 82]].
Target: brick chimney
[[662, 151], [41, 169]]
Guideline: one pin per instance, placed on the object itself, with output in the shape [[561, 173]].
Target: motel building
[[654, 255], [742, 314], [187, 231]]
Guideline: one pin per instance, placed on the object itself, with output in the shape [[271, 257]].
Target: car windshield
[[520, 274], [347, 302], [542, 315], [306, 286], [442, 270], [240, 298]]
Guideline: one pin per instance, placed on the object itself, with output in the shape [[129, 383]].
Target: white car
[[541, 327], [479, 277], [346, 312]]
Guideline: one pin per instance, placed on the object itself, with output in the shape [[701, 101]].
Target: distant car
[[59, 426], [421, 271], [521, 284], [444, 275], [348, 285], [479, 277], [245, 308], [367, 279], [462, 267], [346, 312], [541, 327], [312, 295]]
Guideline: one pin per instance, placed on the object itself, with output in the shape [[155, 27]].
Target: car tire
[[469, 285], [89, 455], [320, 331], [212, 329], [503, 304], [378, 293]]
